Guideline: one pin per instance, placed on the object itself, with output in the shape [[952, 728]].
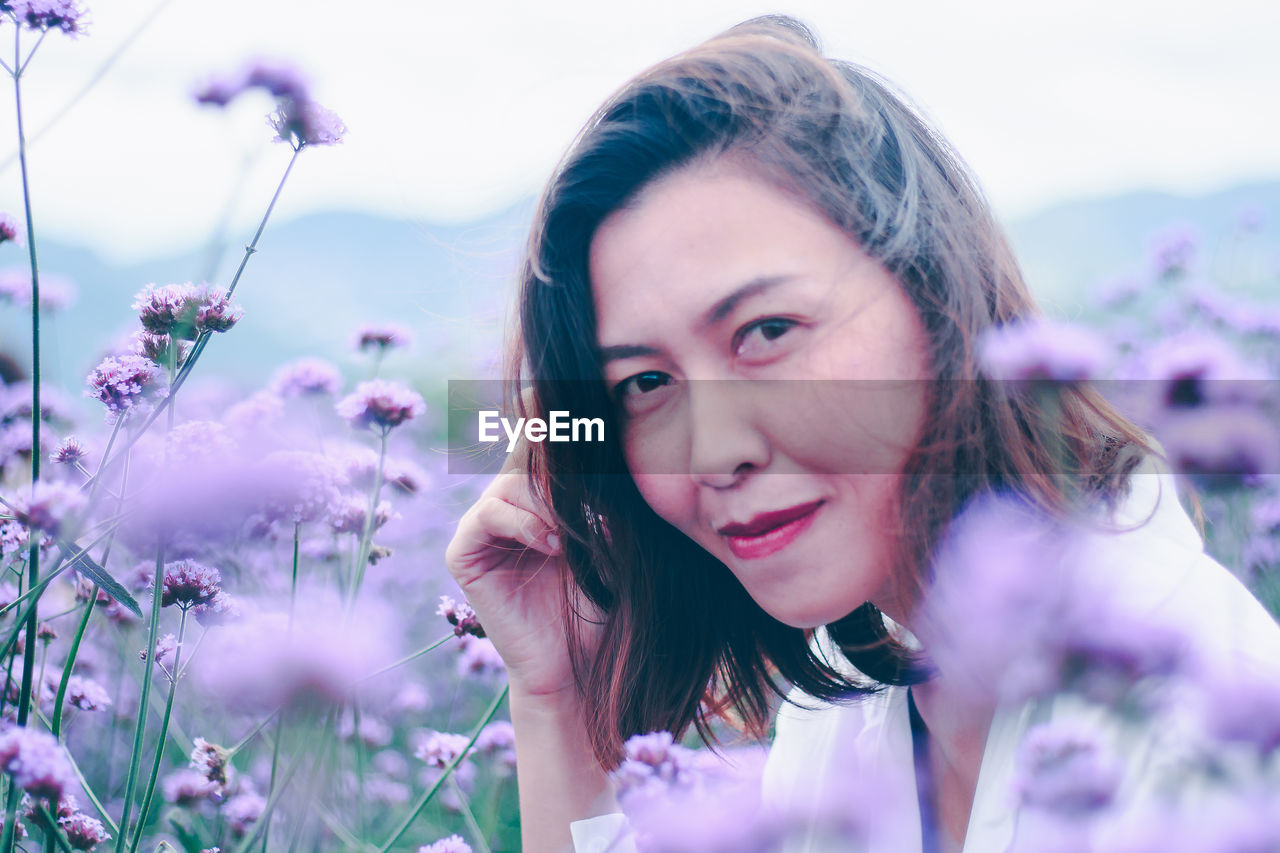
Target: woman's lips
[[769, 532]]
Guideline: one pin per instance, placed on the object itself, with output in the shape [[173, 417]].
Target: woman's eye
[[634, 388], [756, 338]]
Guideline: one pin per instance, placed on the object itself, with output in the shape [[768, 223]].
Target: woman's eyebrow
[[621, 351], [724, 307], [717, 312]]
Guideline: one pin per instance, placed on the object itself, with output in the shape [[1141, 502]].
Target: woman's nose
[[725, 443]]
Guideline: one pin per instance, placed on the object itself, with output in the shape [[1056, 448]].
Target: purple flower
[[10, 231], [156, 348], [299, 486], [302, 122], [1173, 250], [276, 76], [219, 610], [349, 513], [460, 616], [498, 739], [250, 416], [382, 338], [372, 731], [1065, 769], [260, 663], [70, 451], [1022, 606], [1196, 369], [122, 383], [452, 844], [186, 787], [210, 760], [1221, 446], [478, 656], [1244, 708], [50, 506], [57, 293], [166, 651], [87, 694], [1039, 349], [83, 832], [36, 761], [381, 404], [439, 749], [43, 15], [188, 583], [306, 377], [184, 311], [242, 811]]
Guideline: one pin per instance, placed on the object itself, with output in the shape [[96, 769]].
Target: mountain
[[315, 279]]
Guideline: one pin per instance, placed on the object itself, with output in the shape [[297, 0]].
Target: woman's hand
[[507, 558]]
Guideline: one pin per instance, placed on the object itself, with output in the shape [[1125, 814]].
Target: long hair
[[681, 641]]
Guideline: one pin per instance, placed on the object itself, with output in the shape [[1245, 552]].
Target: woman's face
[[772, 374]]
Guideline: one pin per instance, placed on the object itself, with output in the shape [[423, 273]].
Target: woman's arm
[[559, 779]]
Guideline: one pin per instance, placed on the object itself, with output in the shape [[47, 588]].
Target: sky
[[455, 110]]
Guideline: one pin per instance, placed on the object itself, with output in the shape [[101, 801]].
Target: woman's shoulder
[[1154, 564]]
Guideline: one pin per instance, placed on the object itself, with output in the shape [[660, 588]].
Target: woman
[[769, 277]]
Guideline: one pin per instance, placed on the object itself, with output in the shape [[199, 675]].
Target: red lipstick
[[769, 532]]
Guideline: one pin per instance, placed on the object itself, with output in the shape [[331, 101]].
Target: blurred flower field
[[226, 621]]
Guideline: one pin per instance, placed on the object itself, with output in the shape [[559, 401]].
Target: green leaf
[[189, 840], [112, 587]]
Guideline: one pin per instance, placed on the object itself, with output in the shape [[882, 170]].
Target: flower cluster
[[10, 232], [1041, 350], [460, 616], [381, 338], [451, 844], [440, 749], [125, 382], [50, 506], [43, 15], [381, 404], [298, 120], [306, 377], [188, 584], [36, 761], [184, 311]]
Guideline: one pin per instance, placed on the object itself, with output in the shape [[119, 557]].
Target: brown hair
[[681, 639]]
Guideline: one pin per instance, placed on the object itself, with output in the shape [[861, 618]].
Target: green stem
[[275, 763], [253, 732], [52, 836], [144, 703], [33, 554], [469, 817], [427, 797], [414, 656], [164, 733], [366, 536], [31, 254], [274, 797]]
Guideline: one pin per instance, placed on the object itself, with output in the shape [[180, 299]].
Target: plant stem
[[164, 732], [33, 554], [414, 656], [370, 522], [427, 797], [469, 817], [143, 705]]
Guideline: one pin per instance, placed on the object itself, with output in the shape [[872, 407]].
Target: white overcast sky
[[458, 108]]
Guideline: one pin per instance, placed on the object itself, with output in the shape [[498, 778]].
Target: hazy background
[[1090, 128]]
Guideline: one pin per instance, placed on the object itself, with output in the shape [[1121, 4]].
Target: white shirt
[[823, 751]]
